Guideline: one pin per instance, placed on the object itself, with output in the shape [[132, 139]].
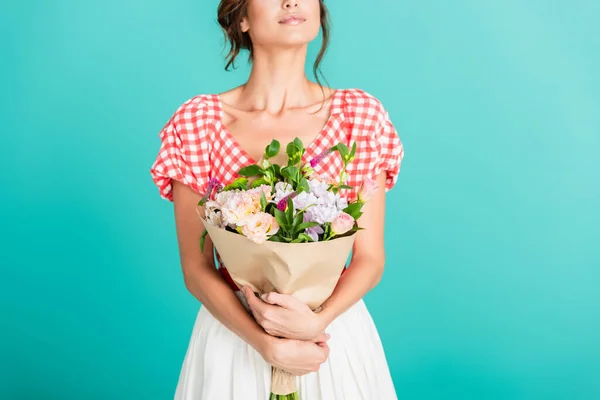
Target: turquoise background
[[491, 287]]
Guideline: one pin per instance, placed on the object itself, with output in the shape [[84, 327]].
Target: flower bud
[[367, 189]]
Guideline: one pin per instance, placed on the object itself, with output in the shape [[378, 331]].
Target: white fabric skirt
[[218, 365]]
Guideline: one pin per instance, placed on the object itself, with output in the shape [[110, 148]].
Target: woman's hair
[[230, 14]]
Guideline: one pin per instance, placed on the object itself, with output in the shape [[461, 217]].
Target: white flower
[[216, 218], [282, 189], [322, 213], [318, 187], [303, 200]]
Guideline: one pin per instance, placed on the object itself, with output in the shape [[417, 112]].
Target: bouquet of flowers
[[283, 228]]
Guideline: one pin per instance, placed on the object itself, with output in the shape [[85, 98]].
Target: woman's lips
[[292, 20]]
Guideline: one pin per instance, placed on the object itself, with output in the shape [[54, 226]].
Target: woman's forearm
[[201, 276], [206, 284], [368, 259], [362, 275]]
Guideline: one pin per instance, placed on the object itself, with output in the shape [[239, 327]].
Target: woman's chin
[[291, 40]]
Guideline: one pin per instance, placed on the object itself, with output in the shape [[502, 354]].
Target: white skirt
[[219, 365]]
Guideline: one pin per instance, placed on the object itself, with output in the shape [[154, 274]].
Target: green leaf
[[290, 173], [239, 183], [343, 149], [276, 238], [291, 149], [289, 212], [256, 183], [281, 219], [353, 152], [285, 172], [299, 144], [305, 237], [203, 240], [294, 172], [303, 185], [303, 226], [276, 171], [354, 210], [251, 170], [263, 201], [297, 221], [272, 149], [268, 176], [345, 187], [294, 151]]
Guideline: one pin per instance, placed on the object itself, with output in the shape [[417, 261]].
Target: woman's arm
[[368, 259], [200, 275], [206, 284], [285, 316]]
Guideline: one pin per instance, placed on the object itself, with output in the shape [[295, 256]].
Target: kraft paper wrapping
[[307, 271]]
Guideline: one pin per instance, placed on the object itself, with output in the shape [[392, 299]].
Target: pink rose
[[342, 224], [367, 190], [259, 227]]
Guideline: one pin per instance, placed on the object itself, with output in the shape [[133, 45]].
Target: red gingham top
[[196, 146]]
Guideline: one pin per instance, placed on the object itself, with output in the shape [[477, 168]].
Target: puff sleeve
[[183, 153], [390, 148]]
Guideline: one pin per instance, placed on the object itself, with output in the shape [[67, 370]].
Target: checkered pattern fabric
[[196, 146]]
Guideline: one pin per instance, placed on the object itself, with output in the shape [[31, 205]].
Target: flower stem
[[291, 396]]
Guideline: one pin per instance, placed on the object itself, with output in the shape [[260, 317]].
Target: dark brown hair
[[230, 14]]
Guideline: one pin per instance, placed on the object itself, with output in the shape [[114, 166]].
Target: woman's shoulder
[[192, 118], [360, 101], [203, 106]]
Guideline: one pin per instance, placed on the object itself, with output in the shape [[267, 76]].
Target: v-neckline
[[309, 149]]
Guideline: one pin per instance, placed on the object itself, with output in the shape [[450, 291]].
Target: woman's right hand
[[298, 357]]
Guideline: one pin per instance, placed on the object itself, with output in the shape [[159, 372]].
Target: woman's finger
[[322, 337], [283, 300]]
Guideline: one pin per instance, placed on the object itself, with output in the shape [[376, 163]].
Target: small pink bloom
[[367, 190], [342, 223], [259, 227]]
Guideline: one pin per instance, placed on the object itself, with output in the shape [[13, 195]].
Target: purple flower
[[320, 157], [213, 184], [282, 204], [304, 200], [314, 232]]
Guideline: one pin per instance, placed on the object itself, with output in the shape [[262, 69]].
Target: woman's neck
[[277, 82]]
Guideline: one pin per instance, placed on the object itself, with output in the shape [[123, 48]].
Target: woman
[[336, 353]]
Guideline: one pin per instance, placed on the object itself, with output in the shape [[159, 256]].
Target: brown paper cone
[[307, 271], [282, 382]]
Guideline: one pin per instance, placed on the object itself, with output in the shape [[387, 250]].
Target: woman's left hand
[[285, 316]]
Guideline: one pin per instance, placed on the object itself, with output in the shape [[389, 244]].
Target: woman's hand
[[285, 316], [295, 356]]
